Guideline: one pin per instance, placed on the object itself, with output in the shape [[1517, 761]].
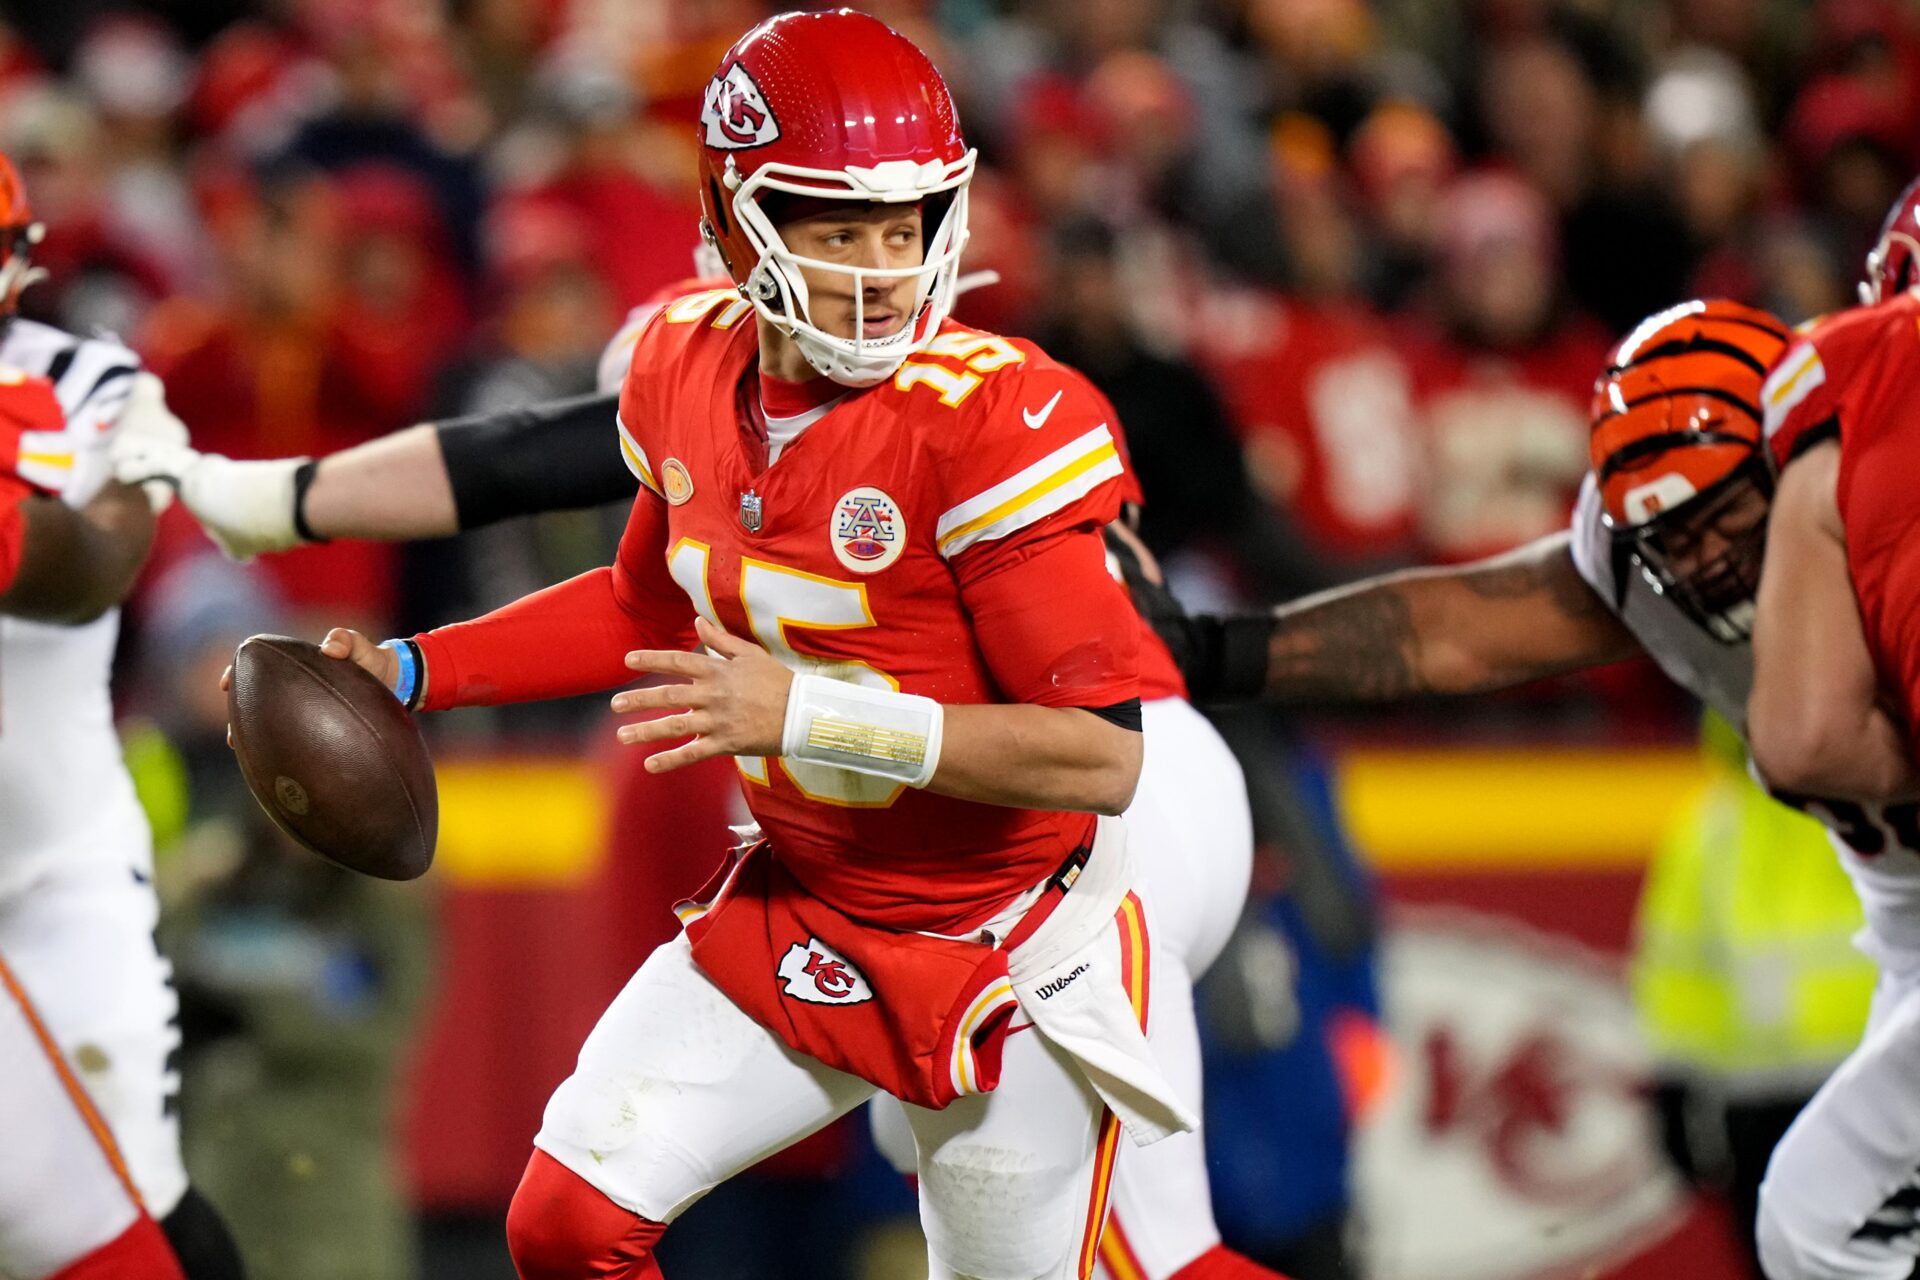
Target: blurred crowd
[[1347, 268]]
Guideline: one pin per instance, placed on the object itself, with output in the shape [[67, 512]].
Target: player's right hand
[[245, 507], [150, 443], [351, 646]]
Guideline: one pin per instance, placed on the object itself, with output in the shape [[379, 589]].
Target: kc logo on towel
[[816, 973]]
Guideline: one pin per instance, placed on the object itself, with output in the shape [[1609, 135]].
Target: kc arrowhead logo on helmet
[[735, 114], [834, 106]]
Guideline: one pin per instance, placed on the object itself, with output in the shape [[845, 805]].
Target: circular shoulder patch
[[674, 479], [868, 531]]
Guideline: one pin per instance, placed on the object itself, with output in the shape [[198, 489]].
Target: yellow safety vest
[[1744, 965]]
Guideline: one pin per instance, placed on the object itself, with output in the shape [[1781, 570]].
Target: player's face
[[872, 236], [1708, 554]]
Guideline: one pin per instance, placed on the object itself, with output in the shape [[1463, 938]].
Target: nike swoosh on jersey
[[1035, 421]]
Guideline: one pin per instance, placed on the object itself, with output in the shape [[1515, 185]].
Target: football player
[[1664, 557], [904, 514], [91, 1157], [1188, 819], [1836, 690]]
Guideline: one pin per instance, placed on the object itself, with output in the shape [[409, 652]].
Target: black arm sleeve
[[1221, 659], [558, 456]]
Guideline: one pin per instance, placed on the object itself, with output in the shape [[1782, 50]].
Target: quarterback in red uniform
[[884, 528]]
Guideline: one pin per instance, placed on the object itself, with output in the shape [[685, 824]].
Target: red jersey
[[1159, 675], [33, 460], [936, 534], [1855, 377], [13, 529]]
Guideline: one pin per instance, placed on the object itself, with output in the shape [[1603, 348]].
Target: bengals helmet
[[1680, 458], [838, 106], [1894, 265], [18, 234]]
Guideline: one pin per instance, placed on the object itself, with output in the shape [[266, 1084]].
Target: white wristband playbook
[[871, 731]]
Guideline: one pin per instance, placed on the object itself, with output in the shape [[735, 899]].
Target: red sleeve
[[13, 529], [571, 638], [1044, 456], [1798, 407], [1026, 500], [34, 445], [1055, 628]]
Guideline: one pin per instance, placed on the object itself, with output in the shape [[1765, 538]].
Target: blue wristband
[[409, 671]]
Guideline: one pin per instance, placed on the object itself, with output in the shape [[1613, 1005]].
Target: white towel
[[1066, 977]]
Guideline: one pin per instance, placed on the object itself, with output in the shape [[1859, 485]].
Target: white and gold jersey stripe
[[1068, 473], [636, 458]]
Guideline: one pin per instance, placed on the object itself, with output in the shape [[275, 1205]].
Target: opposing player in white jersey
[[68, 1209], [1661, 557], [77, 907]]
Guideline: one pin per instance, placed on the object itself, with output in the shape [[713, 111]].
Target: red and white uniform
[[936, 534], [1841, 1189], [1190, 826], [77, 910], [1854, 377]]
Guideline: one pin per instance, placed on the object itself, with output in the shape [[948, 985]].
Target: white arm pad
[[872, 731]]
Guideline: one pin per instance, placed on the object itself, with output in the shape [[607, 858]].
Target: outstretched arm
[[1814, 719], [1472, 628], [429, 481], [1499, 622], [76, 563]]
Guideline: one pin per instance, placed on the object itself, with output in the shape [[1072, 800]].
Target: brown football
[[333, 757]]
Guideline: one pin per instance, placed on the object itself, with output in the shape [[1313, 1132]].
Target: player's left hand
[[732, 701]]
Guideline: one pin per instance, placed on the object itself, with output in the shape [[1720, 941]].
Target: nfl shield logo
[[750, 509]]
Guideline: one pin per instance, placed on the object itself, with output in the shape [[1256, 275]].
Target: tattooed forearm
[[1543, 569], [1355, 646], [1468, 629]]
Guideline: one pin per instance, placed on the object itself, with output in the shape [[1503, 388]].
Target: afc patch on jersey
[[818, 974], [868, 531], [735, 115]]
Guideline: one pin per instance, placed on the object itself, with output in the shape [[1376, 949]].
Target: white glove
[[245, 507]]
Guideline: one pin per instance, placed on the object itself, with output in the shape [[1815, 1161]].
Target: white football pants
[[1191, 831]]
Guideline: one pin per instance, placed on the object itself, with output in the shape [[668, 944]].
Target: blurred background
[[1522, 988]]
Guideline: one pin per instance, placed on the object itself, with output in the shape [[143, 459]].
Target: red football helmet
[[1680, 458], [834, 105], [18, 234], [1894, 265]]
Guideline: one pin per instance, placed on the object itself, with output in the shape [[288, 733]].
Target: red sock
[[561, 1227], [1222, 1263], [141, 1250]]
